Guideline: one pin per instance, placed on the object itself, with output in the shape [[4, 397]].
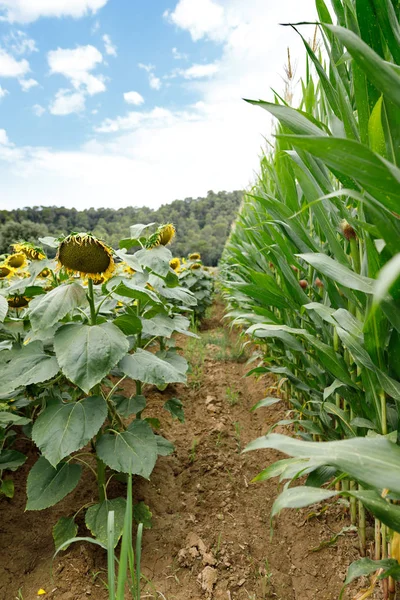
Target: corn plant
[[71, 335], [312, 269]]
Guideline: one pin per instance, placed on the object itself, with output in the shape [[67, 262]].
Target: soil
[[211, 526]]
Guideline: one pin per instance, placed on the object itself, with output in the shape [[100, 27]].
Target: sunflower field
[[312, 271], [71, 331]]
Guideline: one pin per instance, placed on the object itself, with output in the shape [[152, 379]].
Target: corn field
[[312, 272]]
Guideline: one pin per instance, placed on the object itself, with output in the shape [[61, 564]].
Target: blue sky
[[136, 102]]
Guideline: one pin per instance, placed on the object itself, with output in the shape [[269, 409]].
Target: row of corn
[[312, 270]]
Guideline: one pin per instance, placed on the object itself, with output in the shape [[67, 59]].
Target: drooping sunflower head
[[16, 261], [29, 250], [6, 271], [163, 236], [194, 256], [175, 264], [84, 254], [44, 274], [18, 301], [195, 266]]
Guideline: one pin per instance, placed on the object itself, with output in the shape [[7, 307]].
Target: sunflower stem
[[90, 297]]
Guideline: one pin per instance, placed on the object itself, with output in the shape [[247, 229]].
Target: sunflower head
[[29, 250], [6, 271], [16, 261], [45, 273], [175, 264], [84, 254], [194, 256], [163, 236], [195, 266], [18, 301]]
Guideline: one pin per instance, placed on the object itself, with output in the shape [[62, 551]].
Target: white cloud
[[75, 64], [3, 137], [133, 98], [154, 82], [26, 11], [27, 84], [179, 55], [199, 71], [95, 27], [38, 110], [19, 43], [212, 144], [199, 17], [109, 47], [3, 92], [10, 67], [67, 102]]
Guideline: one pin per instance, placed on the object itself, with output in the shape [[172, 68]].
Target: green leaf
[[3, 308], [129, 324], [53, 306], [7, 488], [375, 461], [366, 566], [143, 514], [164, 447], [9, 418], [375, 129], [132, 451], [175, 407], [26, 365], [278, 468], [389, 514], [64, 530], [379, 72], [97, 516], [63, 428], [11, 460], [87, 353], [48, 485], [148, 368], [137, 230], [387, 277], [156, 259], [130, 406], [298, 497], [295, 120], [265, 402], [378, 176], [338, 272]]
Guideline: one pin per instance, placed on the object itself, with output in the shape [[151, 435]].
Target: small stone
[[207, 579]]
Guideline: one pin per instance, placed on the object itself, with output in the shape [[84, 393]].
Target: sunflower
[[175, 264], [44, 274], [84, 254], [195, 266], [163, 236], [6, 271], [32, 252], [16, 261], [18, 301], [194, 256]]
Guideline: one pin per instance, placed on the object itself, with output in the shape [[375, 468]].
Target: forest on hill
[[202, 224]]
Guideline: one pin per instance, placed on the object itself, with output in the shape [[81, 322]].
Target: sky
[[114, 103]]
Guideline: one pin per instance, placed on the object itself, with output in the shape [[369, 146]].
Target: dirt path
[[210, 535]]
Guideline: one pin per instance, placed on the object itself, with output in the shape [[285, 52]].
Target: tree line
[[202, 224]]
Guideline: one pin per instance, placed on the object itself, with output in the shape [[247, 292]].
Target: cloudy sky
[[136, 102]]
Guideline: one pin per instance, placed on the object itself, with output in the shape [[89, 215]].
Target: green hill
[[202, 224]]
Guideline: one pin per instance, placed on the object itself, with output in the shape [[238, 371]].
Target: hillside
[[202, 224]]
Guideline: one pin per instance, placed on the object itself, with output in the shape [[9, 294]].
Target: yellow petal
[[41, 592]]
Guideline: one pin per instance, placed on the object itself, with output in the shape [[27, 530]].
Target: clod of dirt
[[207, 579], [195, 549]]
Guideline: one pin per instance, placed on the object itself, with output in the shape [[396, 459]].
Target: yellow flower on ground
[[5, 271], [16, 261], [84, 254], [32, 252], [163, 236], [194, 256], [41, 592], [175, 264]]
